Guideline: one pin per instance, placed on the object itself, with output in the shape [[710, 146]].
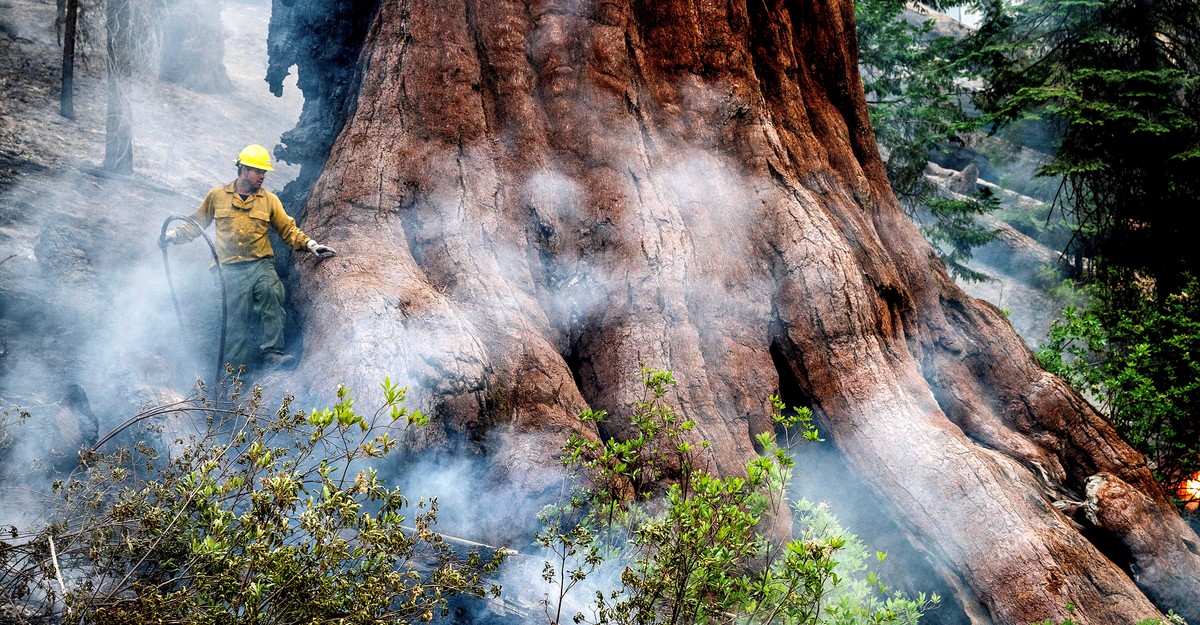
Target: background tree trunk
[[70, 21], [530, 198], [118, 126], [193, 46]]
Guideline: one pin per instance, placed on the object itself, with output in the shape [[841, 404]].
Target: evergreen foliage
[[916, 86], [956, 231], [1116, 81]]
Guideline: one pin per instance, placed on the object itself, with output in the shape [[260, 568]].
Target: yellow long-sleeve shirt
[[242, 224]]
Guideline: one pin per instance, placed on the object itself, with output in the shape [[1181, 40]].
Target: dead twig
[[57, 571], [454, 540]]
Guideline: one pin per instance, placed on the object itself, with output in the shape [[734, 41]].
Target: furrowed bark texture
[[530, 198]]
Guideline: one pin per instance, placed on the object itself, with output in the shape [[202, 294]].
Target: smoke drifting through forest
[[585, 289], [89, 326], [495, 91], [706, 191]]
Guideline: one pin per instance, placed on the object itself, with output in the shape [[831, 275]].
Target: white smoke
[[88, 323]]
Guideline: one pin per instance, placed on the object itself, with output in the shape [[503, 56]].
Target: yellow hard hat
[[255, 156]]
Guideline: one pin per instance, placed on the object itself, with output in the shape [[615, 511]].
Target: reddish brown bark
[[529, 198]]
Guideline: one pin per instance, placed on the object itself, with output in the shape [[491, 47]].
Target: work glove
[[169, 237], [323, 251]]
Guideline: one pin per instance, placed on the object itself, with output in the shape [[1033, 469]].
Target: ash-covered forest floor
[[182, 139], [83, 298]]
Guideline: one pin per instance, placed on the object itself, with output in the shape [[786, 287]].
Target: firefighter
[[243, 211]]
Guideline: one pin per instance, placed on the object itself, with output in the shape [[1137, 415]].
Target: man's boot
[[278, 360]]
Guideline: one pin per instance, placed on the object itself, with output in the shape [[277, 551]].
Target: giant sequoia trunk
[[530, 198]]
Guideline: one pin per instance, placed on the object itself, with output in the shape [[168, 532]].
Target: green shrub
[[704, 549], [263, 518], [1140, 362], [858, 596]]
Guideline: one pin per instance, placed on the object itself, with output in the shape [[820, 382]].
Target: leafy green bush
[[1140, 362], [263, 518], [857, 594], [704, 549]]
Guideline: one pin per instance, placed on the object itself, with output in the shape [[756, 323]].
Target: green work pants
[[256, 314]]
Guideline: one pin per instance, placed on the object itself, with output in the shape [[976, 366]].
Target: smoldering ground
[[89, 331]]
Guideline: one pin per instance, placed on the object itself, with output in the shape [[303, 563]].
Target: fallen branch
[[57, 571], [454, 540]]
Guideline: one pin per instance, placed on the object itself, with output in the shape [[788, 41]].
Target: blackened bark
[[322, 40], [531, 198], [67, 97]]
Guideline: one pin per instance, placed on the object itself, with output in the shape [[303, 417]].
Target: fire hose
[[220, 277], [179, 317]]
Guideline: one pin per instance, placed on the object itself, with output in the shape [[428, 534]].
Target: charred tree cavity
[[792, 390], [531, 199], [322, 39]]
